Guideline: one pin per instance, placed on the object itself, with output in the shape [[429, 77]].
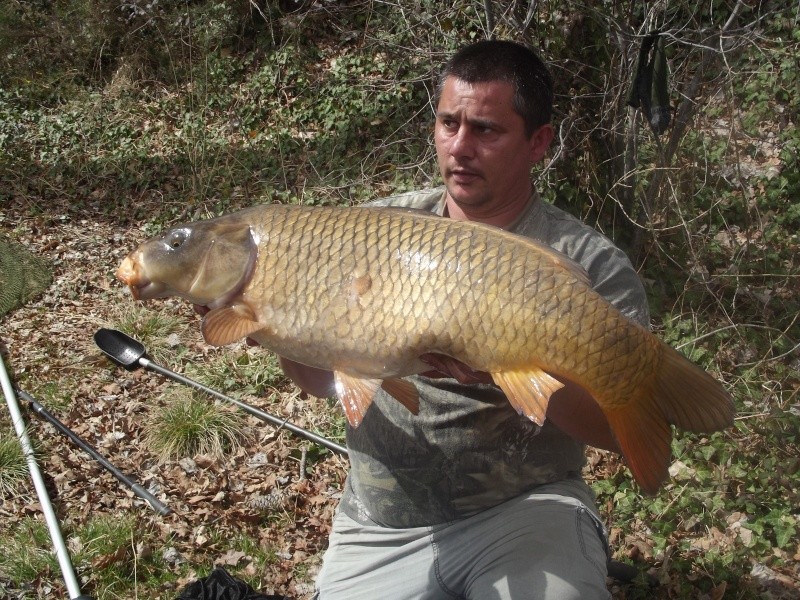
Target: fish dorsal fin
[[229, 324], [528, 391], [404, 392], [355, 394]]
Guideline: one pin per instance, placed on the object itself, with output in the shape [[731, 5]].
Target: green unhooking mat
[[23, 275]]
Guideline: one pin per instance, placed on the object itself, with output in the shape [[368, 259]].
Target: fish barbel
[[364, 292]]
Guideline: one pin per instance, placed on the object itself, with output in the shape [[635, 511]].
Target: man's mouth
[[464, 175]]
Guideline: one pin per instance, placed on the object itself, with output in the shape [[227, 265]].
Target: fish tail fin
[[680, 394], [691, 398]]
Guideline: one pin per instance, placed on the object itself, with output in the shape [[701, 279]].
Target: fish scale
[[367, 292]]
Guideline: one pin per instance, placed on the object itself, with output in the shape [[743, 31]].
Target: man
[[468, 499]]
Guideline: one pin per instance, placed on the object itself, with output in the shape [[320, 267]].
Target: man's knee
[[560, 557]]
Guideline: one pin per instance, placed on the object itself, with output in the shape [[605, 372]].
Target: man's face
[[484, 155]]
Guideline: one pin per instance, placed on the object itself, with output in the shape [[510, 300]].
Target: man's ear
[[539, 142]]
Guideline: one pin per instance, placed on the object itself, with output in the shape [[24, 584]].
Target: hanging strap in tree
[[649, 89]]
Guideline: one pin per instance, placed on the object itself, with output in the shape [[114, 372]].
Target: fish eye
[[176, 238]]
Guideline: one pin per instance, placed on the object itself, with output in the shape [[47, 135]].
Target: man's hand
[[572, 409]]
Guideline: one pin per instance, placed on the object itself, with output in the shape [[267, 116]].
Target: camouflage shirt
[[468, 450]]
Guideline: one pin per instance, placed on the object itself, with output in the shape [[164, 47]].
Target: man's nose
[[462, 144]]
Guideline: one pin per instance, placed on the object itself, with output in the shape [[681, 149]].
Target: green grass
[[55, 396], [252, 371], [122, 558], [161, 329], [191, 424], [26, 552], [13, 464]]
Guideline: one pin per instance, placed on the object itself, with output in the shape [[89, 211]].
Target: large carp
[[364, 292]]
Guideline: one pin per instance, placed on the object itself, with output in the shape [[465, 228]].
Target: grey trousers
[[543, 546]]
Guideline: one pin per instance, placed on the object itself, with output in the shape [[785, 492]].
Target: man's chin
[[464, 195]]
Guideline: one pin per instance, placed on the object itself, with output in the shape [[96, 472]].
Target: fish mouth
[[130, 273], [146, 290]]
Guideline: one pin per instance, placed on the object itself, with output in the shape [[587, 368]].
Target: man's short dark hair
[[499, 60]]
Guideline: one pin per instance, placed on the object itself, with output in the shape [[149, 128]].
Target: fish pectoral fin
[[404, 392], [229, 324], [355, 394], [528, 391]]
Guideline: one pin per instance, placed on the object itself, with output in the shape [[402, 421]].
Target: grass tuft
[[162, 331], [13, 465], [191, 425], [121, 552], [25, 552]]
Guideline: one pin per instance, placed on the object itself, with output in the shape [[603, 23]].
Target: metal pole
[[60, 548], [130, 354], [260, 414], [137, 489]]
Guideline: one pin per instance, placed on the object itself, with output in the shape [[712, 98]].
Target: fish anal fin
[[404, 392], [528, 391], [355, 394], [229, 324], [645, 437]]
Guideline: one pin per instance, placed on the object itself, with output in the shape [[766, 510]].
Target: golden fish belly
[[367, 292]]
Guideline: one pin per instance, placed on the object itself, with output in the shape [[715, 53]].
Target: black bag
[[220, 585]]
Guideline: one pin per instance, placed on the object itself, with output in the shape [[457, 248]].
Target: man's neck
[[501, 216]]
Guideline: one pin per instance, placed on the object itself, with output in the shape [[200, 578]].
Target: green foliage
[[13, 464], [190, 425], [252, 371], [246, 121], [680, 332], [25, 552]]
